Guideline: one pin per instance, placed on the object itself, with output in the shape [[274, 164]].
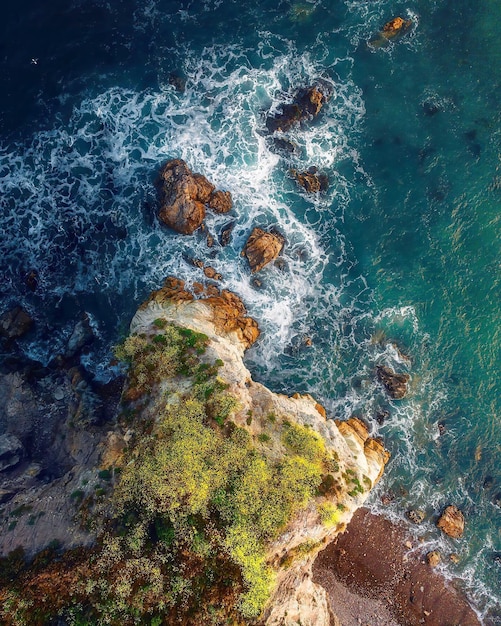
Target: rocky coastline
[[101, 515]]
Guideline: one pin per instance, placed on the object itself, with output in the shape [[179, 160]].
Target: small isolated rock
[[451, 522], [395, 384], [416, 516], [11, 451], [433, 558], [262, 248], [393, 29], [454, 558], [210, 272], [311, 181], [307, 103], [15, 323]]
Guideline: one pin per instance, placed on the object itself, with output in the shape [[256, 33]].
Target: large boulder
[[261, 248], [307, 104], [185, 195], [395, 384], [451, 522], [15, 323]]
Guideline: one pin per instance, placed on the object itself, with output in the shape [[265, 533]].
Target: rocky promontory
[[218, 493]]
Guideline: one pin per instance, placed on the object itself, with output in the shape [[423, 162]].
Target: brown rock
[[262, 248], [395, 384], [393, 29], [210, 272], [321, 410], [307, 103], [15, 323], [310, 180], [451, 522], [220, 201], [182, 197], [225, 236], [433, 558]]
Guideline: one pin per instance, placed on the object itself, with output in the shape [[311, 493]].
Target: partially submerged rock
[[433, 558], [395, 384], [451, 522], [307, 104], [416, 516], [311, 180], [393, 29], [81, 336], [261, 248], [15, 323], [185, 195]]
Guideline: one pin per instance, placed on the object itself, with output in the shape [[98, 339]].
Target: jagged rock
[[306, 104], [261, 248], [284, 146], [310, 180], [211, 273], [15, 323], [416, 516], [81, 336], [433, 558], [177, 81], [393, 29], [31, 280], [11, 451], [225, 235], [184, 196], [451, 522], [220, 201], [395, 384]]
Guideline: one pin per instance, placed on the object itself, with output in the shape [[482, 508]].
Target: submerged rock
[[184, 197], [15, 323], [261, 248], [395, 384], [451, 522]]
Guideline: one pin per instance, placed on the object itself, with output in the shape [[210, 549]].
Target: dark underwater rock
[[15, 323], [395, 384]]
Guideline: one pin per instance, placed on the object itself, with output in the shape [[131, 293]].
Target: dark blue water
[[397, 264]]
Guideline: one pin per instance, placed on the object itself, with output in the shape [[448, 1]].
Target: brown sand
[[373, 579]]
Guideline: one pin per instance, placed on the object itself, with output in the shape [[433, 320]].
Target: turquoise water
[[398, 263]]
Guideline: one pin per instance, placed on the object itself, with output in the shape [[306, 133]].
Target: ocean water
[[398, 263]]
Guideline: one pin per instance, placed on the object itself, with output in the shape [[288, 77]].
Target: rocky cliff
[[220, 493], [359, 460]]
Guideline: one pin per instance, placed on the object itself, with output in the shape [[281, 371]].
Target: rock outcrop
[[306, 104], [261, 248], [360, 459], [184, 197], [15, 323], [451, 522], [394, 383], [311, 180], [394, 29]]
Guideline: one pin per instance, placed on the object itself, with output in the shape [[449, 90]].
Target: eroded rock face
[[15, 323], [306, 104], [261, 248], [395, 384], [185, 195], [451, 522]]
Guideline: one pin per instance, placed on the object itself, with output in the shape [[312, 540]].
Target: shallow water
[[398, 263]]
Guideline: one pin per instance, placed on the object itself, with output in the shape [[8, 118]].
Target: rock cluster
[[184, 197], [15, 323]]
